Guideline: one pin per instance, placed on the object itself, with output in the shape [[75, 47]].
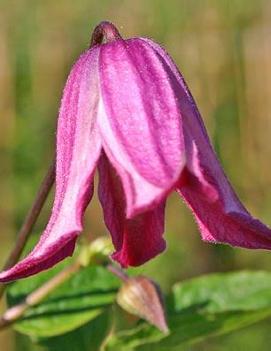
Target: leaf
[[197, 327], [88, 337], [77, 301], [210, 305], [225, 292]]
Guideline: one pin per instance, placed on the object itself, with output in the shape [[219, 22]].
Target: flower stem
[[30, 221], [16, 312], [117, 272]]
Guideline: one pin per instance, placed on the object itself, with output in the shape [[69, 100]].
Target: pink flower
[[127, 111]]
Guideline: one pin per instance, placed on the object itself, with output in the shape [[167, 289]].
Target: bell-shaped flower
[[127, 112]]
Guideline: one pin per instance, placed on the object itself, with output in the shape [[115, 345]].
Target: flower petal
[[218, 224], [203, 185], [138, 239], [78, 149], [140, 122]]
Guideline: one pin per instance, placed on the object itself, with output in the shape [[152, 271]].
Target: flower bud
[[98, 250], [142, 297]]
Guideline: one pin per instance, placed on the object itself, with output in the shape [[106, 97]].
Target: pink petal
[[78, 148], [136, 240], [140, 122], [203, 185], [218, 224]]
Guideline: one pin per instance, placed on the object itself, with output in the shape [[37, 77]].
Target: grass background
[[223, 49]]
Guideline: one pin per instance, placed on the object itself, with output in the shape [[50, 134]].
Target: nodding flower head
[[127, 112]]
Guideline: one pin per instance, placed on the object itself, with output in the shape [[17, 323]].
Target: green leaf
[[197, 327], [88, 337], [82, 298], [210, 305], [225, 292]]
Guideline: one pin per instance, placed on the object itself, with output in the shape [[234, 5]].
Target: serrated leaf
[[82, 298], [211, 305]]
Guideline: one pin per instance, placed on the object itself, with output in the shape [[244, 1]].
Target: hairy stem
[[30, 221]]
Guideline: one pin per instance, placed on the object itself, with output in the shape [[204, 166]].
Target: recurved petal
[[138, 239], [140, 122], [217, 222], [78, 149]]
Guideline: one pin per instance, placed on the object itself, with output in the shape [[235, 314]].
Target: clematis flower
[[127, 112]]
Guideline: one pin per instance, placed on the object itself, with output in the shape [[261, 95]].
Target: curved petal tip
[[34, 264]]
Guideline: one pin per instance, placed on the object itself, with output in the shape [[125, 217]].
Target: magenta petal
[[203, 185], [78, 149], [138, 239], [140, 122], [219, 224]]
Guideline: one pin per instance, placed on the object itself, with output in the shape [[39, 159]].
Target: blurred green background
[[223, 49]]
